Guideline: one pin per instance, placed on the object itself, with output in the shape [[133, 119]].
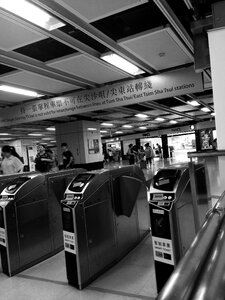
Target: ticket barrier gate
[[30, 219], [105, 215], [172, 216]]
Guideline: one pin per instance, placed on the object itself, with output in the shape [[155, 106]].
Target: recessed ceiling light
[[142, 116], [213, 114], [205, 109], [122, 64], [31, 13], [46, 139], [173, 122], [107, 124], [52, 141], [50, 128], [5, 139], [92, 129], [119, 132], [4, 133], [19, 91], [160, 119], [35, 134], [127, 126], [103, 131], [193, 103], [142, 127]]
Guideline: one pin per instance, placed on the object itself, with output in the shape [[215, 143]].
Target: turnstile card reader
[[101, 223], [172, 217]]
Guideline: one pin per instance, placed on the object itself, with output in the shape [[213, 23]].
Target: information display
[[2, 237], [69, 242], [163, 250]]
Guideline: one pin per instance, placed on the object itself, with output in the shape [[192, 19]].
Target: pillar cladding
[[165, 145], [217, 58], [83, 139]]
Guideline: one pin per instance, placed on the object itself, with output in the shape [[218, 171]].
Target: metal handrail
[[210, 153], [212, 281], [181, 283]]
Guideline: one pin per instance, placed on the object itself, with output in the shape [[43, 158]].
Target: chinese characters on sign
[[120, 94]]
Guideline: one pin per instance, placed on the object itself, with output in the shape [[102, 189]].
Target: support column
[[165, 145], [84, 141], [217, 58], [197, 140]]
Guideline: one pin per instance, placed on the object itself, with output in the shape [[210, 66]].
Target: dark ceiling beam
[[63, 38], [72, 19], [22, 62]]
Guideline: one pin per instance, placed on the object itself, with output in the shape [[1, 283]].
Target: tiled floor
[[132, 278]]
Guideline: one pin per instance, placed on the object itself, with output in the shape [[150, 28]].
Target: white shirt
[[11, 165]]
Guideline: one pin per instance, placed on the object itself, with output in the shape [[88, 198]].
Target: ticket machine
[[172, 216], [105, 215]]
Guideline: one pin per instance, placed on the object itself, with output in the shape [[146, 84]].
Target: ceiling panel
[[11, 98], [14, 35], [197, 113], [157, 113], [38, 82], [88, 68], [171, 117], [184, 108], [160, 48], [93, 10]]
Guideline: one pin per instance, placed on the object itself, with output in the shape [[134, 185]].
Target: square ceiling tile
[[86, 67], [93, 10], [12, 98], [160, 48], [14, 35], [34, 81], [184, 108]]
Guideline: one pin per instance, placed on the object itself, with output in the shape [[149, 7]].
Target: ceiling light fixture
[[173, 122], [103, 131], [46, 139], [142, 127], [213, 114], [32, 13], [50, 128], [5, 139], [107, 124], [205, 109], [119, 132], [4, 133], [193, 103], [35, 134], [121, 63], [52, 141], [160, 119], [142, 116], [127, 126], [92, 129], [19, 91]]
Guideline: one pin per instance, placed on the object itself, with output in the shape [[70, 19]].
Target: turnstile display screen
[[79, 182], [13, 186], [166, 179]]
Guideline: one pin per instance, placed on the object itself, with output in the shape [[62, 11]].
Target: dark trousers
[[148, 160]]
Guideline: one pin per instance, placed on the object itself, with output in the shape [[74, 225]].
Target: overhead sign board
[[150, 88]]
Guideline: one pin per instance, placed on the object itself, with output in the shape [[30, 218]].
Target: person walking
[[43, 160], [159, 148], [68, 159], [148, 154], [10, 163], [131, 154]]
